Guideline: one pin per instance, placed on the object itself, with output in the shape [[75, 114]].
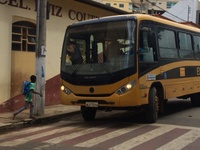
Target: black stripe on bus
[[180, 72]]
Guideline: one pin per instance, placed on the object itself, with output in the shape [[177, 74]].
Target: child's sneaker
[[14, 116]]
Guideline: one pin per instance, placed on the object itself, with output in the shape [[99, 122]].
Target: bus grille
[[95, 95]]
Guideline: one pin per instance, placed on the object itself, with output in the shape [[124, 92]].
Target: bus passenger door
[[147, 50]]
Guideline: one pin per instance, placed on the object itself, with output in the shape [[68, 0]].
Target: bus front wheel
[[151, 112], [88, 113]]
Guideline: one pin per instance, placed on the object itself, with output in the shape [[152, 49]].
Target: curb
[[41, 120], [54, 118]]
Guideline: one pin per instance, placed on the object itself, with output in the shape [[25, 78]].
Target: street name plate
[[91, 104]]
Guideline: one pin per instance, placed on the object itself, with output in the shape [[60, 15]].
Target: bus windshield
[[99, 48]]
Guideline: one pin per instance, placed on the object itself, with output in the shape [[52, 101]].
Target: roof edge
[[188, 23]]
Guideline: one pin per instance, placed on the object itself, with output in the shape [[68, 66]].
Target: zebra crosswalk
[[101, 135]]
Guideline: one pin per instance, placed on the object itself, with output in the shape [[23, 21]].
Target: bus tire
[[195, 99], [88, 113], [151, 112]]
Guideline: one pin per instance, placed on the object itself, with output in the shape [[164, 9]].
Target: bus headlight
[[65, 90], [126, 87]]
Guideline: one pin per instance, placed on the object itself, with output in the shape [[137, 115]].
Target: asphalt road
[[177, 112], [177, 128], [181, 112]]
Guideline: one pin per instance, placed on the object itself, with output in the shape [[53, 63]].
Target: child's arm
[[36, 93]]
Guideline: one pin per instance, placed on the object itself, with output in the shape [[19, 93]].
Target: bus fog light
[[126, 87], [65, 90]]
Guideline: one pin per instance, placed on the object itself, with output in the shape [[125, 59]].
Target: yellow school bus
[[129, 62]]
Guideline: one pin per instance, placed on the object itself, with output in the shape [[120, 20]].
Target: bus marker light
[[145, 94]]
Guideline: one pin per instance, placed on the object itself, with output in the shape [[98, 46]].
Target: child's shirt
[[28, 96]]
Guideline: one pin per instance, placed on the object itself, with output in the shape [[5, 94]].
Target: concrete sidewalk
[[51, 113]]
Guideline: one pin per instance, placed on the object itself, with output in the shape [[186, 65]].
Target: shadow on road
[[178, 105], [177, 112]]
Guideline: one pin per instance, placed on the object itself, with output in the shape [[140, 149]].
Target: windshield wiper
[[106, 69], [77, 69], [91, 64]]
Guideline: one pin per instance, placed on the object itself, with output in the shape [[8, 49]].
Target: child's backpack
[[25, 87]]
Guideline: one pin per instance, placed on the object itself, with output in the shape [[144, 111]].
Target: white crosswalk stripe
[[182, 141], [36, 136], [29, 138], [24, 132], [142, 138], [29, 130], [73, 135], [108, 136], [55, 134]]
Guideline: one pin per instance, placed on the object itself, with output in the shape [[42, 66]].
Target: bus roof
[[156, 18], [140, 17]]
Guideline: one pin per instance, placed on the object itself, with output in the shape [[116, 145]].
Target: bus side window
[[148, 56], [197, 46], [185, 44], [146, 52], [167, 43]]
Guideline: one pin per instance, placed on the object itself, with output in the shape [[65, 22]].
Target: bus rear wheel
[[151, 112], [195, 99], [88, 113]]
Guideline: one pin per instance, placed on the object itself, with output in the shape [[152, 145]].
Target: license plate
[[91, 104]]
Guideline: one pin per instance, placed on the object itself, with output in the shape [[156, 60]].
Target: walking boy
[[28, 98]]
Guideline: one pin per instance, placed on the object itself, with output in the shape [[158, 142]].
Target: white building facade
[[17, 40]]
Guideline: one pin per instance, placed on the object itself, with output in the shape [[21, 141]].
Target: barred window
[[121, 5], [170, 4], [23, 36]]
